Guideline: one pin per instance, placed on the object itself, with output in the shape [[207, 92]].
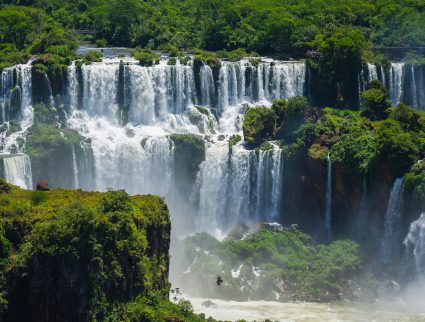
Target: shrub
[[93, 56], [146, 57], [375, 101], [101, 42], [259, 125], [37, 197]]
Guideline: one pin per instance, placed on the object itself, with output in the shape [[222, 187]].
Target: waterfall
[[287, 80], [49, 89], [16, 81], [126, 157], [415, 243], [328, 199], [75, 168], [392, 221], [277, 182], [372, 72], [126, 113], [396, 82], [158, 93], [72, 87], [207, 85], [17, 170], [417, 87], [15, 89], [383, 78], [238, 186], [100, 89], [404, 83], [413, 88]]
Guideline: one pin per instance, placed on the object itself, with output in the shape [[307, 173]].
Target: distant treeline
[[262, 26]]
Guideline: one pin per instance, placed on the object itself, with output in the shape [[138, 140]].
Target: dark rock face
[[359, 201], [85, 261], [43, 185], [304, 182]]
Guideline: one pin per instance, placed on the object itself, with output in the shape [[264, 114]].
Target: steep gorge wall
[[81, 255]]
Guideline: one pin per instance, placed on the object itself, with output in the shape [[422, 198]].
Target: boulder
[[43, 185]]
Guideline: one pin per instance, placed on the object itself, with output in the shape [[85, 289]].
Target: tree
[[375, 101], [258, 125]]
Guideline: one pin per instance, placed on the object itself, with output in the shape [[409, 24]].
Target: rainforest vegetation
[[107, 254], [290, 264], [104, 254], [280, 28]]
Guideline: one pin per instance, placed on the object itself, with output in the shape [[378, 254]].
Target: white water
[[415, 243], [394, 83], [17, 170], [328, 199], [392, 221], [234, 184], [139, 156], [301, 311], [158, 101], [75, 168], [17, 166], [417, 87]]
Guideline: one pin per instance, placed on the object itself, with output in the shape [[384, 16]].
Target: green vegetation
[[414, 184], [375, 101], [340, 32], [261, 26], [50, 145], [46, 138], [26, 31], [377, 135], [92, 56], [258, 125], [105, 254], [189, 151], [272, 261], [146, 57], [337, 65], [362, 143], [278, 122], [234, 139]]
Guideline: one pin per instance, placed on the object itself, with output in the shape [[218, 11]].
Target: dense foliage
[[339, 31], [261, 25], [272, 263], [278, 122], [377, 134], [104, 254], [26, 31]]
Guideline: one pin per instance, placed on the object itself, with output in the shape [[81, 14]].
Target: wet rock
[[238, 232], [4, 187], [43, 185], [208, 303], [275, 227]]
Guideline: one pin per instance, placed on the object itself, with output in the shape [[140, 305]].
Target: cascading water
[[75, 168], [392, 223], [17, 170], [232, 185], [15, 103], [415, 243], [405, 83], [396, 83], [372, 72], [328, 199], [416, 96]]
